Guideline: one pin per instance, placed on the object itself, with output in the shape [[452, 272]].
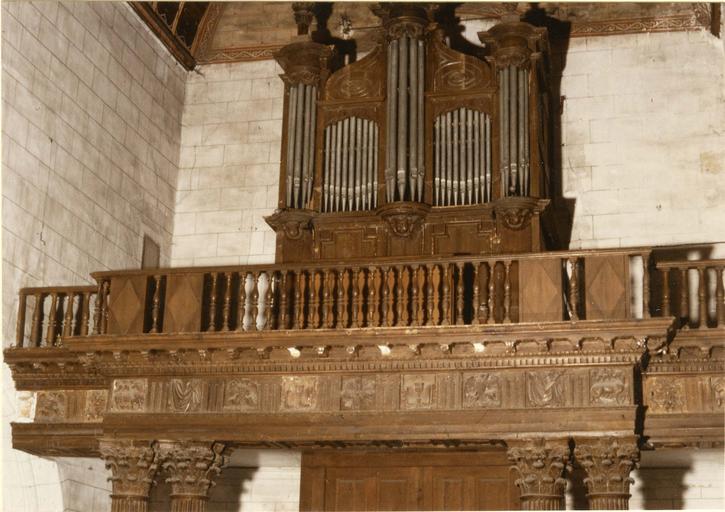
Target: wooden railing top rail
[[644, 251], [33, 290], [662, 265]]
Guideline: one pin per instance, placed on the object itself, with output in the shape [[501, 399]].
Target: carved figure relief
[[96, 401], [718, 388], [358, 393], [51, 406], [608, 387], [299, 393], [129, 394], [667, 395], [241, 395], [184, 395], [545, 389], [481, 390], [418, 392]]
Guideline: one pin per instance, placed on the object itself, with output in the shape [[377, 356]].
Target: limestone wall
[[91, 106]]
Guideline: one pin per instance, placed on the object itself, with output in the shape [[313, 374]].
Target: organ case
[[417, 149]]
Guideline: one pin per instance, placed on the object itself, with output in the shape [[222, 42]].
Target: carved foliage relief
[[667, 395]]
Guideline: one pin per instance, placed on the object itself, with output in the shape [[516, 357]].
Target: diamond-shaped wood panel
[[183, 303], [606, 286], [126, 305], [540, 285]]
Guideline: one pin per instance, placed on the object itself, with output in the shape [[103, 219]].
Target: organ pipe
[[514, 140], [300, 154]]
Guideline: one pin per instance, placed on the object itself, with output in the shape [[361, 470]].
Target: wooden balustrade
[[47, 315], [700, 307], [542, 287]]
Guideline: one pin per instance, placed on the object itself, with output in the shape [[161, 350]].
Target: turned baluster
[[226, 309], [459, 295], [254, 326], [476, 295], [212, 303], [645, 285], [439, 283], [300, 299], [97, 309], [104, 308], [491, 293], [507, 292], [574, 289], [242, 309], [719, 298], [269, 302], [684, 297], [155, 305], [358, 296], [446, 300], [666, 292], [20, 325], [387, 308], [416, 319], [283, 303], [399, 299], [343, 291], [313, 311], [430, 299], [52, 314], [85, 313], [35, 330], [701, 297], [327, 299], [373, 298], [68, 320], [421, 294]]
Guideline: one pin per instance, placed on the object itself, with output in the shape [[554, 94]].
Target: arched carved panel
[[362, 80], [455, 72]]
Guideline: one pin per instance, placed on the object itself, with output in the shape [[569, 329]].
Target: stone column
[[540, 464], [190, 466], [133, 465], [607, 462]]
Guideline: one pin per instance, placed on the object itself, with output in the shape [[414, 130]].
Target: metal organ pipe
[[292, 122], [402, 169], [297, 158], [413, 132], [419, 106], [392, 110], [514, 105]]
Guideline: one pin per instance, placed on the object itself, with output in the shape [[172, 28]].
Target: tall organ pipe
[[402, 169], [312, 132], [326, 175], [296, 195], [413, 133], [392, 136], [420, 106], [345, 159]]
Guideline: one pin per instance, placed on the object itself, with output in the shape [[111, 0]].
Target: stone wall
[[91, 106], [229, 167]]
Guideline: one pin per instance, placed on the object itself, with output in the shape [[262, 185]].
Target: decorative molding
[[540, 465]]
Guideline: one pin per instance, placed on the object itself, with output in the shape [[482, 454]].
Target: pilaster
[[540, 464], [607, 462], [133, 466], [191, 467]]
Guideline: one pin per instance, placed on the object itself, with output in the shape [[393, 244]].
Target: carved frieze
[[241, 395], [609, 386], [481, 390], [299, 393], [667, 395], [51, 406], [129, 395], [95, 406], [717, 384], [358, 393], [546, 388], [418, 392], [185, 395]]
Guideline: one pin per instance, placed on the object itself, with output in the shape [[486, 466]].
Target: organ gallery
[[424, 337]]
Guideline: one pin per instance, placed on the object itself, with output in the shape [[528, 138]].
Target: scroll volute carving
[[293, 223], [362, 80], [454, 72], [304, 62]]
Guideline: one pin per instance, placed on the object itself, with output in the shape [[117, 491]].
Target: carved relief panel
[[677, 394]]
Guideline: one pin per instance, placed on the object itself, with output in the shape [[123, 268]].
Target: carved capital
[[303, 62], [404, 219], [191, 466], [540, 465], [133, 466], [292, 222], [607, 462], [516, 212]]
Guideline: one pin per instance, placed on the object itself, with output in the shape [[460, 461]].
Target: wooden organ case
[[416, 149]]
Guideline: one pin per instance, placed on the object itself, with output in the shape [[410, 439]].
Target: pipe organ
[[417, 148]]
